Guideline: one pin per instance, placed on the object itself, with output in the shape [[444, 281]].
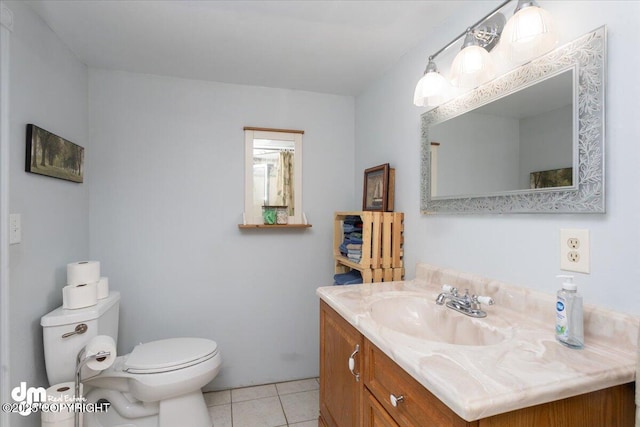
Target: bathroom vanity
[[389, 356]]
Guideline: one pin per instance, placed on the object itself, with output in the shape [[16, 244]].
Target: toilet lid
[[169, 354]]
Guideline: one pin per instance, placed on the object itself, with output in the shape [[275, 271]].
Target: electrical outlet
[[573, 256], [574, 250]]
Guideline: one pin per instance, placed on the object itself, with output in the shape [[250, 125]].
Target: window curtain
[[285, 180]]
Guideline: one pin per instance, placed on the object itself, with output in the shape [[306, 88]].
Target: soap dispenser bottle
[[569, 326]]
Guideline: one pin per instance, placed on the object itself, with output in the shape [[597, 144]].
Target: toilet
[[158, 384]]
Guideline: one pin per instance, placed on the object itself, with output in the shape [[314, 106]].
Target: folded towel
[[348, 228], [352, 219], [350, 278], [343, 248]]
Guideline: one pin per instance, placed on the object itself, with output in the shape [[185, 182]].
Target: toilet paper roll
[[62, 395], [103, 287], [83, 272], [79, 296], [98, 344]]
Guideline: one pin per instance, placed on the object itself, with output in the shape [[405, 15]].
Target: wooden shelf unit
[[382, 246]]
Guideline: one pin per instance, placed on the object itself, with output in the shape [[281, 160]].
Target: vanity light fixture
[[529, 33]]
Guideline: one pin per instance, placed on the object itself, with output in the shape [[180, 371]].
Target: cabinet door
[[374, 414], [340, 387]]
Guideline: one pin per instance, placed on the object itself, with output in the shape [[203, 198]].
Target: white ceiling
[[322, 46]]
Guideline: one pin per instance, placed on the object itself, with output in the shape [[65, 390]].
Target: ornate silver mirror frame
[[587, 56]]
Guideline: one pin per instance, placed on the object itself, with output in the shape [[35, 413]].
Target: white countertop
[[527, 368]]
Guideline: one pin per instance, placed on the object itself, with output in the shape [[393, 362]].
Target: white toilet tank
[[60, 352]]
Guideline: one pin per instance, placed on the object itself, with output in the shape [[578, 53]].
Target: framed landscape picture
[[551, 178], [51, 155]]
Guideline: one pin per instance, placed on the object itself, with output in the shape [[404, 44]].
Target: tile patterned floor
[[293, 404]]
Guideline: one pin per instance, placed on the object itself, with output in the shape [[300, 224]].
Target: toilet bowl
[[164, 372], [158, 384]]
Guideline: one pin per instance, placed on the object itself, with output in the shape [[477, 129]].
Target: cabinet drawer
[[417, 407], [374, 413]]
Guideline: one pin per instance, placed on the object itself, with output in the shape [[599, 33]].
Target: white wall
[[49, 89], [167, 195], [539, 147], [521, 249]]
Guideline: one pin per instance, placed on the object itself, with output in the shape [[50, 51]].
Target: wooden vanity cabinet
[[340, 389], [346, 402]]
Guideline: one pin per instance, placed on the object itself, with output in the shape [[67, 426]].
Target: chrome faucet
[[465, 304]]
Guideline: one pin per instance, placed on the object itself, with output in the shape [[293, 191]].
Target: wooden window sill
[[255, 226]]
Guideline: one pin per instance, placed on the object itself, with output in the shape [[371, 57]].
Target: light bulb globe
[[434, 84], [472, 67], [530, 33], [418, 99]]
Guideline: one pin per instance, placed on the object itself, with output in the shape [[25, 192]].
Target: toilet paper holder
[[81, 360]]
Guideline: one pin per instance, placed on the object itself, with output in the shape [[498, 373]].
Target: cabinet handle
[[352, 362], [395, 400]]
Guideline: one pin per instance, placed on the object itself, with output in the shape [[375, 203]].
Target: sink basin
[[420, 317]]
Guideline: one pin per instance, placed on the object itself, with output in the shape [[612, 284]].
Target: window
[[273, 172]]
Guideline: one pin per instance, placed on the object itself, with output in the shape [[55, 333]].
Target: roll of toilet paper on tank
[[103, 287], [79, 296], [62, 395], [99, 344], [83, 272]]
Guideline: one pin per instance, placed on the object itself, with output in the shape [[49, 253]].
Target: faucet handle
[[484, 300], [448, 288]]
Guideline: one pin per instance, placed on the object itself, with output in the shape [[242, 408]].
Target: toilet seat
[[161, 370], [169, 355]]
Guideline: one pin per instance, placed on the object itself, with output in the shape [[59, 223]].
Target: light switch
[[15, 229]]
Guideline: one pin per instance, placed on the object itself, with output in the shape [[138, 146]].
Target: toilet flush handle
[[80, 329]]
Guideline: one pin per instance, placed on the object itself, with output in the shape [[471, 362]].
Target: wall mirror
[[273, 172], [529, 141]]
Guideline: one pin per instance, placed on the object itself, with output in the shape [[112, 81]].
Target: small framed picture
[[51, 155], [375, 194]]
